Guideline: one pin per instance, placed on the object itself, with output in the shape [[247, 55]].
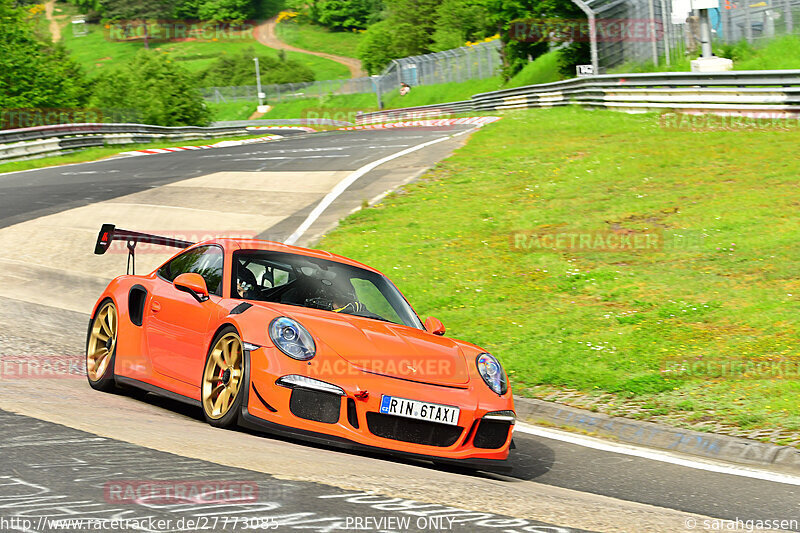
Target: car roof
[[272, 246]]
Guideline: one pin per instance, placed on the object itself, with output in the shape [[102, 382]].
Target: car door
[[177, 324]]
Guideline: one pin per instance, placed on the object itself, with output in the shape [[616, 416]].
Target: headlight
[[492, 373], [292, 338]]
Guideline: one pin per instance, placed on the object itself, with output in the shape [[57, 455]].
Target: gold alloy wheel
[[222, 376], [102, 340]]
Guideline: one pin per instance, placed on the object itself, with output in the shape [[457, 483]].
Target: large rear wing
[[110, 233]]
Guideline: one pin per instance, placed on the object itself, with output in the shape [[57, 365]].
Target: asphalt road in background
[[31, 194], [61, 462]]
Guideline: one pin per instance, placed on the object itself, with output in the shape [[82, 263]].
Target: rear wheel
[[222, 379], [101, 347]]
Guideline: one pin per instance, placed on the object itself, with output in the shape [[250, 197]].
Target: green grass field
[[723, 288], [96, 53], [543, 69], [319, 39]]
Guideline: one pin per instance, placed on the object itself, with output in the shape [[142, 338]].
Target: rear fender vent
[[136, 298]]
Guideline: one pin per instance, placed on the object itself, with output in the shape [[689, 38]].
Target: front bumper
[[270, 407]]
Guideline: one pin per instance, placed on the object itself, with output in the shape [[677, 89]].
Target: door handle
[[155, 306]]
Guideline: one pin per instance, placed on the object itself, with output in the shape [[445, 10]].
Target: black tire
[[104, 381], [226, 413]]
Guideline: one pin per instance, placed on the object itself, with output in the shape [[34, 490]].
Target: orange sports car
[[298, 342]]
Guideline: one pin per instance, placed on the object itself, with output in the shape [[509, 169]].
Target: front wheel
[[101, 347], [222, 379]]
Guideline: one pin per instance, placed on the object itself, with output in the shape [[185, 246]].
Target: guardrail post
[[748, 23], [592, 33], [788, 17]]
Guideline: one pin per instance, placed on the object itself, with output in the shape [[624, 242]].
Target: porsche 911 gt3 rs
[[298, 342]]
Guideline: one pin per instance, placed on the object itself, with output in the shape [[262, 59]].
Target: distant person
[[404, 89]]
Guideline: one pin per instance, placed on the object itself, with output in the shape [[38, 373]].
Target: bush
[[735, 51], [156, 89], [238, 69], [459, 21], [379, 47], [33, 73], [569, 57], [226, 10], [346, 14]]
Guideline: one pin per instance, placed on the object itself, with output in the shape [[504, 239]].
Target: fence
[[674, 32], [284, 92], [459, 64]]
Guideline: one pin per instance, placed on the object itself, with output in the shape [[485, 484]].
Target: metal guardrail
[[60, 130], [416, 113], [735, 92], [39, 141], [284, 122]]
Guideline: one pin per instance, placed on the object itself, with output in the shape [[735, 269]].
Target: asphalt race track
[[65, 446]]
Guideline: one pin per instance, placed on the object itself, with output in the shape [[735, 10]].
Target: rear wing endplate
[[110, 233]]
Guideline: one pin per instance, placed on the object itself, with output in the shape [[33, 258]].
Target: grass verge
[[618, 325], [97, 54], [776, 54], [319, 39], [102, 152], [543, 69]]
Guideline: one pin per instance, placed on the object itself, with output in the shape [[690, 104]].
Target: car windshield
[[315, 283]]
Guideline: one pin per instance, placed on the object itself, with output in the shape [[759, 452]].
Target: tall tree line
[[400, 28]]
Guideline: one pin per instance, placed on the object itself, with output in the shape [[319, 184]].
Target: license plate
[[432, 412]]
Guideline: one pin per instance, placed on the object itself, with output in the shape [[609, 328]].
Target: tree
[[235, 11], [138, 11], [407, 30], [459, 21], [34, 74], [378, 47], [346, 14], [239, 69], [158, 90], [504, 13]]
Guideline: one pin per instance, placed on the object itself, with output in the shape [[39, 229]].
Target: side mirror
[[434, 325], [194, 284]]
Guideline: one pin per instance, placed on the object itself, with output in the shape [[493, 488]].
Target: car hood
[[388, 349]]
